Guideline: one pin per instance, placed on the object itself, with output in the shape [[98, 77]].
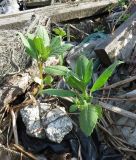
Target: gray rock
[[59, 124], [43, 120], [31, 118], [127, 126]]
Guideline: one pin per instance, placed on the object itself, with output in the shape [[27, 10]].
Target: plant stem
[[40, 66]]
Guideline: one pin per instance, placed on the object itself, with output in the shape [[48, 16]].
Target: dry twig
[[30, 155], [120, 83], [118, 110]]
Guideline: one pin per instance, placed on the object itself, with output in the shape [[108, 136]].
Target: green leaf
[[73, 108], [56, 43], [88, 118], [56, 70], [88, 73], [38, 42], [98, 110], [81, 66], [45, 53], [48, 80], [64, 47], [59, 31], [105, 76], [84, 69], [28, 46], [30, 38], [42, 33], [59, 92], [58, 47], [74, 82]]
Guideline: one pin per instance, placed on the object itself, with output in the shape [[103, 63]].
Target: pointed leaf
[[105, 76], [64, 47], [46, 53], [88, 72], [43, 52], [28, 46], [42, 33], [81, 66], [57, 70], [55, 43], [88, 119], [59, 92], [74, 82], [38, 42]]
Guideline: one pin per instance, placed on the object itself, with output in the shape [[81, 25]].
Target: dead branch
[[120, 83], [118, 110], [30, 155], [13, 115]]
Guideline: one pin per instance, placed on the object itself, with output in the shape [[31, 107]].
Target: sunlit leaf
[[42, 33], [56, 70], [28, 46], [58, 47], [81, 65], [59, 92], [105, 76], [59, 31], [88, 118], [88, 73], [84, 69], [74, 82]]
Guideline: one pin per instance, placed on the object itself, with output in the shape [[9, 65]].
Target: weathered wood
[[120, 83], [59, 13], [37, 3], [118, 110], [14, 86], [120, 44]]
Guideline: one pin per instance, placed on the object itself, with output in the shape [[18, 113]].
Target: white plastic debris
[[8, 6]]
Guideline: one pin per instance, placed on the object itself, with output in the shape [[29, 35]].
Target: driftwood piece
[[59, 13], [37, 3], [120, 44], [118, 110]]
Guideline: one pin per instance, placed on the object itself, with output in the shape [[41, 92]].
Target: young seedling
[[78, 80], [39, 47]]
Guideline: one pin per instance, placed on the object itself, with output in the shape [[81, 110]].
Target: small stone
[[57, 124], [44, 120], [31, 118]]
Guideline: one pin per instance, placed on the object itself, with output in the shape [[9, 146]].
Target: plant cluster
[[82, 97], [40, 47]]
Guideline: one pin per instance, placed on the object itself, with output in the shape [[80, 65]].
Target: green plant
[[122, 3], [60, 32], [99, 28], [40, 47], [78, 80]]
